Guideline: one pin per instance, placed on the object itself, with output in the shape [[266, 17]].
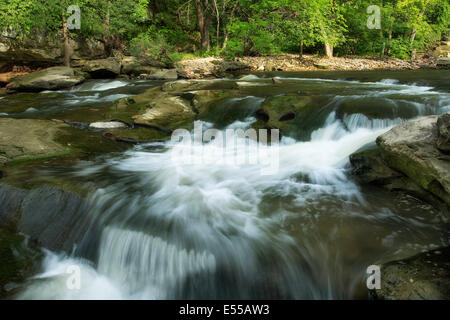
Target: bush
[[153, 46], [401, 49]]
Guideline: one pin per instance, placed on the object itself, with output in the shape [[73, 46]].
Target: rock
[[132, 66], [283, 112], [179, 86], [322, 66], [7, 77], [29, 139], [166, 111], [155, 109], [41, 50], [425, 276], [270, 67], [410, 148], [276, 81], [164, 74], [369, 167], [54, 78], [102, 68], [442, 51], [443, 140], [19, 261], [10, 205], [202, 100], [52, 217], [443, 63], [108, 125]]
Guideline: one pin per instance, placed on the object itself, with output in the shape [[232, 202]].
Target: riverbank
[[217, 67], [208, 67]]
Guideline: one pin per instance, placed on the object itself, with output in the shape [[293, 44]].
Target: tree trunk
[[108, 15], [66, 38], [329, 50], [301, 49], [225, 39], [218, 24], [203, 21], [230, 18], [413, 36], [389, 42]]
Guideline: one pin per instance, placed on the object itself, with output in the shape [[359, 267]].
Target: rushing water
[[159, 228]]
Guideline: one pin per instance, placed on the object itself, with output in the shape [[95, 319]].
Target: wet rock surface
[[19, 261], [49, 216], [425, 276]]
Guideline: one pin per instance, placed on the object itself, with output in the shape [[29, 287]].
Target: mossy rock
[[373, 108], [17, 261], [410, 148], [286, 113]]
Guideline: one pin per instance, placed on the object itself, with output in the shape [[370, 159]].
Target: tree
[[204, 17]]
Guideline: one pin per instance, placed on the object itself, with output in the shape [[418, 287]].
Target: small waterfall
[[355, 121], [146, 266]]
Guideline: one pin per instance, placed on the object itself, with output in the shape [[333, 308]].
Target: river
[[165, 229]]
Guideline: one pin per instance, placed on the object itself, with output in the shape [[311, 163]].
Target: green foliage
[[239, 27], [401, 49]]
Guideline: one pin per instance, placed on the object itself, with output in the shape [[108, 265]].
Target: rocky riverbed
[[71, 163]]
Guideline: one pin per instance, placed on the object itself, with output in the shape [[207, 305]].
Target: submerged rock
[[283, 112], [54, 78], [425, 276]]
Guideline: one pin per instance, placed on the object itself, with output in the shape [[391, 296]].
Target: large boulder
[[410, 148], [24, 139], [54, 78], [132, 66], [425, 276], [102, 68], [410, 157]]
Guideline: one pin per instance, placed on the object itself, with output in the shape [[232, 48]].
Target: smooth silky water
[[158, 228]]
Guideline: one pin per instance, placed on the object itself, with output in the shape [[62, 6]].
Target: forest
[[230, 28]]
